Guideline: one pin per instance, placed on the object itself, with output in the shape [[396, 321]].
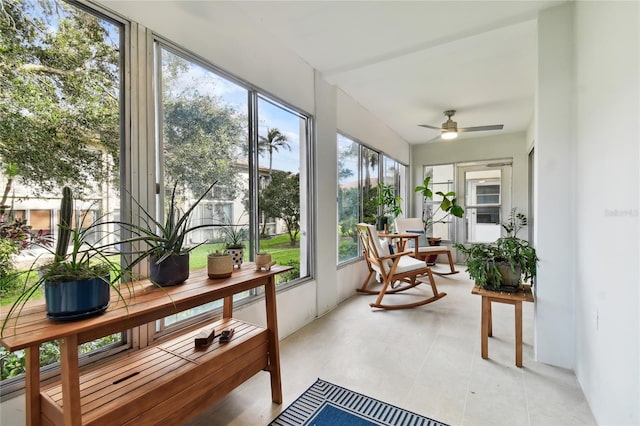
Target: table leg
[[227, 307], [486, 318], [518, 309], [70, 376], [451, 265], [490, 333], [274, 344], [32, 385]]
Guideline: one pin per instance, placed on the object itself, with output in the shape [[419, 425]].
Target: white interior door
[[485, 192]]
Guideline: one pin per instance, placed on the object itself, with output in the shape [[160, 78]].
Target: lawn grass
[[278, 246]]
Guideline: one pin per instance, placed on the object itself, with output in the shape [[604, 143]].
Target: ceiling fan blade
[[477, 128], [430, 127]]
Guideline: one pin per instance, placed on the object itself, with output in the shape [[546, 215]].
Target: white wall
[[510, 145], [554, 207], [607, 198], [326, 185], [357, 122], [214, 34]]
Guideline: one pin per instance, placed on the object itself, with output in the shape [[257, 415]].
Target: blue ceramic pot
[[173, 270], [75, 300]]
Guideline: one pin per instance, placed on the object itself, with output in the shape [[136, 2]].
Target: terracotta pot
[[433, 241]]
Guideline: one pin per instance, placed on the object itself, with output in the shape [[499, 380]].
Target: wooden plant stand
[[515, 299], [167, 382]]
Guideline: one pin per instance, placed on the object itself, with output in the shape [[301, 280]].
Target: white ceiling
[[408, 61]]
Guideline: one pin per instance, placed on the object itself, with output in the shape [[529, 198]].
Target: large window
[[216, 129], [442, 180], [283, 182], [360, 169], [64, 121], [60, 115], [348, 198]]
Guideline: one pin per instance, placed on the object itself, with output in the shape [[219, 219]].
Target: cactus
[[64, 228]]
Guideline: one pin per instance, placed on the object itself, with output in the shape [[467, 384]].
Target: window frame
[[157, 330]]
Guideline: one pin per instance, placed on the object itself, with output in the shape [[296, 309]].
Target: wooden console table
[[516, 299], [169, 381]]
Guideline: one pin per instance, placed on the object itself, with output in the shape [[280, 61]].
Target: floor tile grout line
[[526, 395], [466, 398]]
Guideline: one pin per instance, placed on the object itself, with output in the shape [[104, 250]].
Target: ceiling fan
[[450, 128]]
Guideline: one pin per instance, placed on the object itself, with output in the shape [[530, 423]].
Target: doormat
[[326, 404]]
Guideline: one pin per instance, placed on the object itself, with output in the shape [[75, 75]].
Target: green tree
[[200, 140], [202, 136], [59, 95], [282, 200], [273, 142]]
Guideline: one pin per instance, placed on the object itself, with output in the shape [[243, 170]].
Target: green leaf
[[457, 211]]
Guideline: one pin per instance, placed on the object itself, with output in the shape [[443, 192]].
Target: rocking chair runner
[[392, 268]]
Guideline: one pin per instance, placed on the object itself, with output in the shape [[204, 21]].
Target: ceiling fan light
[[448, 135]]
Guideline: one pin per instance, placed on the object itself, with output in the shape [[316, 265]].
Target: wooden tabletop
[[143, 302], [523, 295], [403, 235]]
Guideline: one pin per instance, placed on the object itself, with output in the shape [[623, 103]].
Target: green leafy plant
[[449, 205], [486, 262], [218, 253], [235, 235], [387, 199], [166, 238], [75, 257]]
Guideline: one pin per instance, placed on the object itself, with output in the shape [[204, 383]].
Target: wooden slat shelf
[[167, 382], [125, 389]]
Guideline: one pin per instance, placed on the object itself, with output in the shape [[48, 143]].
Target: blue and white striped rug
[[327, 404]]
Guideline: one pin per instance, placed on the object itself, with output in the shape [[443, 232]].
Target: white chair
[[415, 225], [392, 268]]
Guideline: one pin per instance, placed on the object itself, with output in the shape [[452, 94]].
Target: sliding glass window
[[206, 136], [60, 124], [359, 170]]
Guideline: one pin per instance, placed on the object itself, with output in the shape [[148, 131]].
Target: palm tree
[[274, 141]]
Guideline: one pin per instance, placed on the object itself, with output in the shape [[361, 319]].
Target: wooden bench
[[169, 381]]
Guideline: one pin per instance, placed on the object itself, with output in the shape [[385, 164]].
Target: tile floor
[[426, 360]]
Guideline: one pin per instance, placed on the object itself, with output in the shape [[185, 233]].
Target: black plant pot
[[173, 270], [76, 300], [381, 223]]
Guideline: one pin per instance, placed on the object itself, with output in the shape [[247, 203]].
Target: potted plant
[[234, 237], [263, 260], [167, 249], [505, 264], [388, 202], [448, 205], [219, 264], [77, 281]]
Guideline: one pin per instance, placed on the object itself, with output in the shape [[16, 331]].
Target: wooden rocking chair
[[392, 268]]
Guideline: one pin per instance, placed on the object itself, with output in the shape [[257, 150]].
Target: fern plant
[[484, 261]]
